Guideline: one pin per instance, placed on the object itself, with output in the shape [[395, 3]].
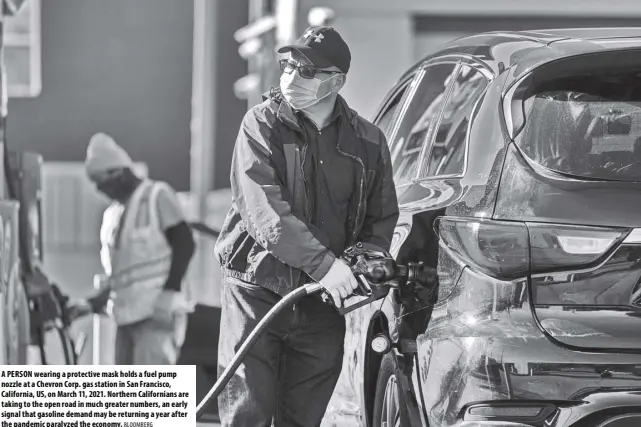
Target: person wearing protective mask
[[146, 250], [309, 178]]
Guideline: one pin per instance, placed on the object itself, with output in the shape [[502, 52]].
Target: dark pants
[[291, 372]]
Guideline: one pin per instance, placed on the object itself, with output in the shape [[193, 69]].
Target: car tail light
[[496, 248], [563, 247], [508, 250], [576, 245]]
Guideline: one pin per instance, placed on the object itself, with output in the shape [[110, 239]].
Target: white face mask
[[302, 93]]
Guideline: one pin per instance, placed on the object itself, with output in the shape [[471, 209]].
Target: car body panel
[[486, 346], [478, 186], [534, 48], [568, 200], [346, 406], [590, 33], [490, 48]]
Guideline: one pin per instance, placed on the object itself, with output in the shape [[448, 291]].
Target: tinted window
[[385, 120], [447, 155], [586, 126], [419, 121]]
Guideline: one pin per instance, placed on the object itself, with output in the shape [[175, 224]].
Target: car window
[[447, 154], [384, 121], [419, 121], [586, 126]]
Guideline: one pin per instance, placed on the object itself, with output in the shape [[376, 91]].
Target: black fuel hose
[[289, 300]]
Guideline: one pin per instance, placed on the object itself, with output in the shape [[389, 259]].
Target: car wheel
[[389, 404]]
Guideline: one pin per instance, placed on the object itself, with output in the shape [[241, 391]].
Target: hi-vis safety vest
[[137, 257]]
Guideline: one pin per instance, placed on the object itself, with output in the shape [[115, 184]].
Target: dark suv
[[517, 159]]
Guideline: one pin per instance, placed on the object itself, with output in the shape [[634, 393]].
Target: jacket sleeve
[[264, 207], [105, 229], [382, 204], [180, 239]]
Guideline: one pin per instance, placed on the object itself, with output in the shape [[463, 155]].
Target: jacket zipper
[[360, 198], [302, 171]]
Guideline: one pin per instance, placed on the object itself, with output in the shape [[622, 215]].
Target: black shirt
[[329, 176]]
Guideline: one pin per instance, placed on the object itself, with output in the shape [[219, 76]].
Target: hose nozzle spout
[[420, 274]]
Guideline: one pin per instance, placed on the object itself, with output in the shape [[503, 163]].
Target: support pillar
[[203, 123]]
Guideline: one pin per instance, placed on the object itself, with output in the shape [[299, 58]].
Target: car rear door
[[437, 185]]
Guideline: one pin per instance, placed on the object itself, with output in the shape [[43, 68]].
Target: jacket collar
[[286, 114]]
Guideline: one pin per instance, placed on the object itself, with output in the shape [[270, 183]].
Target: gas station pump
[[14, 306], [30, 304]]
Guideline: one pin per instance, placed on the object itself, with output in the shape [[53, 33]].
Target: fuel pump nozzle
[[377, 272]]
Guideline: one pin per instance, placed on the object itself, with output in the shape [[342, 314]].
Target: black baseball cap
[[323, 47]]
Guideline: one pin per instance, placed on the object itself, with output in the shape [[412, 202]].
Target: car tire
[[389, 404]]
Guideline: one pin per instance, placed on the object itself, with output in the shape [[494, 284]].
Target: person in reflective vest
[[146, 250]]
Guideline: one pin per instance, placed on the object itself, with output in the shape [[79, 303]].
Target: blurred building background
[[123, 67], [77, 67], [171, 81], [126, 67]]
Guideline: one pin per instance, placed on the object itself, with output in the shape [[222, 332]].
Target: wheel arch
[[379, 324]]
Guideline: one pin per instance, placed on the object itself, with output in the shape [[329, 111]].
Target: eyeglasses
[[304, 71]]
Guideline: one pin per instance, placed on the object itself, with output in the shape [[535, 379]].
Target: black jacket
[[267, 238]]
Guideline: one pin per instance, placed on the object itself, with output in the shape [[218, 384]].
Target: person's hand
[[166, 305], [339, 281], [77, 309], [99, 301]]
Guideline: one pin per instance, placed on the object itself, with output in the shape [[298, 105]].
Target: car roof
[[503, 50]]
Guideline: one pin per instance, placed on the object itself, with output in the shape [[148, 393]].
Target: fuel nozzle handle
[[376, 271], [379, 268]]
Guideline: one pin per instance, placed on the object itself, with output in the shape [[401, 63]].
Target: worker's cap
[[323, 47], [104, 155]]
